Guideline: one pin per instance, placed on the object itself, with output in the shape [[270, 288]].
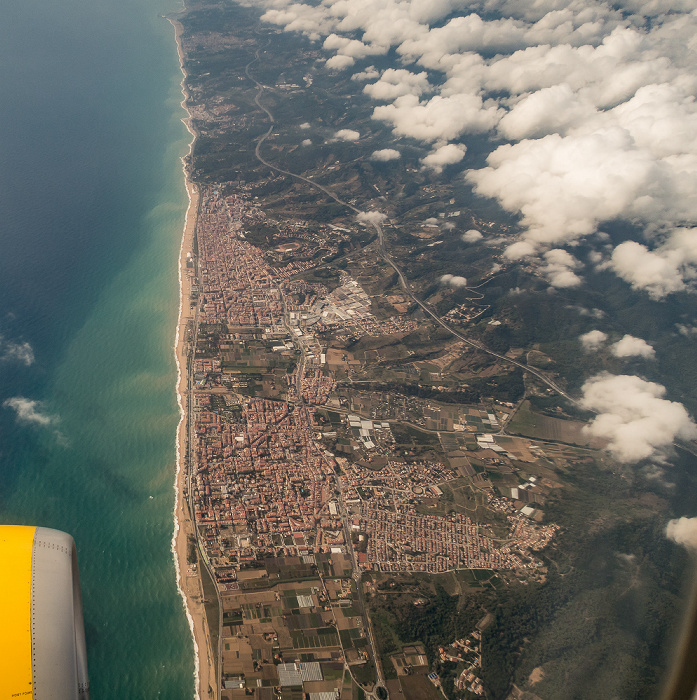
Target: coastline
[[188, 580]]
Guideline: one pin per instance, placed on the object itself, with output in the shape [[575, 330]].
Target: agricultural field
[[294, 634]]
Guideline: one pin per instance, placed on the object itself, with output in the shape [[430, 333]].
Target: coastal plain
[[385, 486]]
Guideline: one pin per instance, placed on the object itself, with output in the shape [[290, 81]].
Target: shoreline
[[188, 581]]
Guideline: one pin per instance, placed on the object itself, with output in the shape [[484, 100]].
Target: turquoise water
[[92, 203]]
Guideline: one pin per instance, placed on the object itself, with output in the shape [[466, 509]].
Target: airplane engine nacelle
[[42, 634]]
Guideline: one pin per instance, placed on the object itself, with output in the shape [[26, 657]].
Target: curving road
[[403, 281]]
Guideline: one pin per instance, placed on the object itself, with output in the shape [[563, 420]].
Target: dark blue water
[[91, 211]]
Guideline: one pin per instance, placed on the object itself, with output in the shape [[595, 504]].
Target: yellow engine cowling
[[42, 635]]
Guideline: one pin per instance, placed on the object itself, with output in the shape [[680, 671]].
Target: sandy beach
[[188, 579]]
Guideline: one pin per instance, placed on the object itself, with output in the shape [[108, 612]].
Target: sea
[[92, 206]]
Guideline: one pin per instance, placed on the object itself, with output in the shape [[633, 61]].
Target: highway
[[403, 281], [380, 688]]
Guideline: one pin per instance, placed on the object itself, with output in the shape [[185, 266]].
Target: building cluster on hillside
[[467, 312], [388, 326], [468, 651], [306, 294]]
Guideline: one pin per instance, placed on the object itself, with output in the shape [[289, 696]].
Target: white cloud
[[564, 186], [13, 351], [593, 313], [297, 17], [449, 154], [439, 118], [305, 125], [454, 280], [686, 330], [351, 47], [385, 154], [598, 102], [464, 34], [339, 62], [604, 74], [593, 340], [652, 8], [683, 531], [657, 272], [394, 83], [629, 346], [306, 142], [29, 411], [370, 73], [559, 268], [370, 217], [346, 135], [549, 110], [520, 249], [633, 416], [472, 236]]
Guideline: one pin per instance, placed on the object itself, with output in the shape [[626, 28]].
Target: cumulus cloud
[[472, 236], [346, 135], [549, 110], [351, 47], [29, 411], [634, 417], [305, 125], [686, 330], [683, 531], [629, 346], [643, 269], [669, 268], [370, 217], [454, 280], [596, 101], [394, 83], [439, 118], [370, 73], [593, 340], [339, 62], [564, 186], [298, 17], [592, 313], [385, 154], [462, 34], [13, 351], [449, 154], [559, 268]]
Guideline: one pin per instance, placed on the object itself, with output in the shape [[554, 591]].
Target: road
[[405, 285], [403, 281], [357, 573], [188, 458]]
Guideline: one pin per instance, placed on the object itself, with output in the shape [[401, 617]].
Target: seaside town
[[289, 472], [264, 484], [388, 486]]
